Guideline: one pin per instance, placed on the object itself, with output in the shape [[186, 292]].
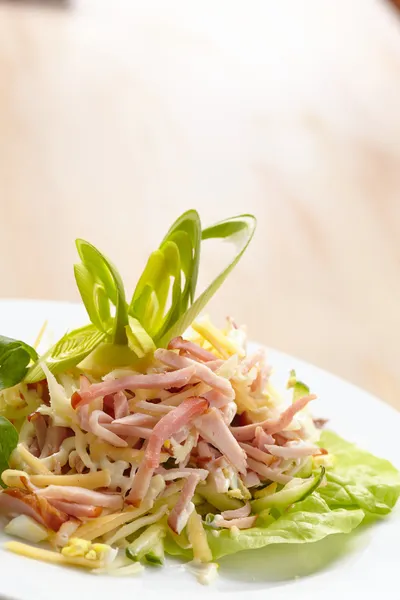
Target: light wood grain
[[115, 117]]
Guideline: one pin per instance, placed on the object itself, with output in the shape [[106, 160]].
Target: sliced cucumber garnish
[[156, 554], [294, 491], [146, 542]]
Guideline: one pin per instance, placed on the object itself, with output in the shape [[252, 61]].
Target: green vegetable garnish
[[8, 443], [300, 389], [14, 359], [101, 287], [163, 304], [67, 352]]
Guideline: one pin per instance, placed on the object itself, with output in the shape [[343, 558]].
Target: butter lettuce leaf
[[308, 521], [359, 488], [359, 479]]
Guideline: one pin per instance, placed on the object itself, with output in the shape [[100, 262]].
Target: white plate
[[354, 566]]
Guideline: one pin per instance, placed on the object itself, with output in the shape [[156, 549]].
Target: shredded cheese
[[90, 481], [51, 557], [96, 528], [198, 539], [34, 463], [127, 530], [216, 338]]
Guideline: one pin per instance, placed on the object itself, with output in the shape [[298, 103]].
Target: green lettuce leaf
[[360, 488], [307, 521], [359, 479], [8, 443]]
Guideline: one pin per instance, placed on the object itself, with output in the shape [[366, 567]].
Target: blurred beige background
[[117, 116]]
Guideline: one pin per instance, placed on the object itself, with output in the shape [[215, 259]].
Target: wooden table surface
[[117, 116]]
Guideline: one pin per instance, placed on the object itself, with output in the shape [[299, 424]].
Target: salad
[[150, 431]]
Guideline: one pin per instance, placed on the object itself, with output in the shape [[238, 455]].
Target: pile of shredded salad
[[153, 432], [195, 445]]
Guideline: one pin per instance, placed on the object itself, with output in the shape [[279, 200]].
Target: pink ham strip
[[215, 364], [177, 398], [216, 399], [54, 438], [128, 430], [267, 472], [218, 478], [141, 483], [251, 479], [96, 421], [83, 417], [205, 450], [195, 350], [155, 408], [13, 507], [261, 438], [251, 361], [271, 426], [260, 381], [214, 430], [81, 511], [121, 408], [243, 523], [180, 514], [14, 502], [295, 451], [170, 424], [40, 425], [238, 513], [134, 382], [182, 473], [84, 383], [34, 448], [139, 420], [81, 496], [259, 455], [202, 371]]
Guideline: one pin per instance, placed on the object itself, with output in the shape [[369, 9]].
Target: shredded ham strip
[[172, 474], [251, 479], [293, 451], [182, 510], [170, 424], [214, 430], [202, 371], [121, 407], [40, 425], [160, 381], [128, 430], [80, 511], [261, 438], [15, 502], [242, 523], [263, 457], [81, 496], [54, 438], [137, 419], [267, 472], [96, 424], [238, 513], [272, 426], [191, 348]]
